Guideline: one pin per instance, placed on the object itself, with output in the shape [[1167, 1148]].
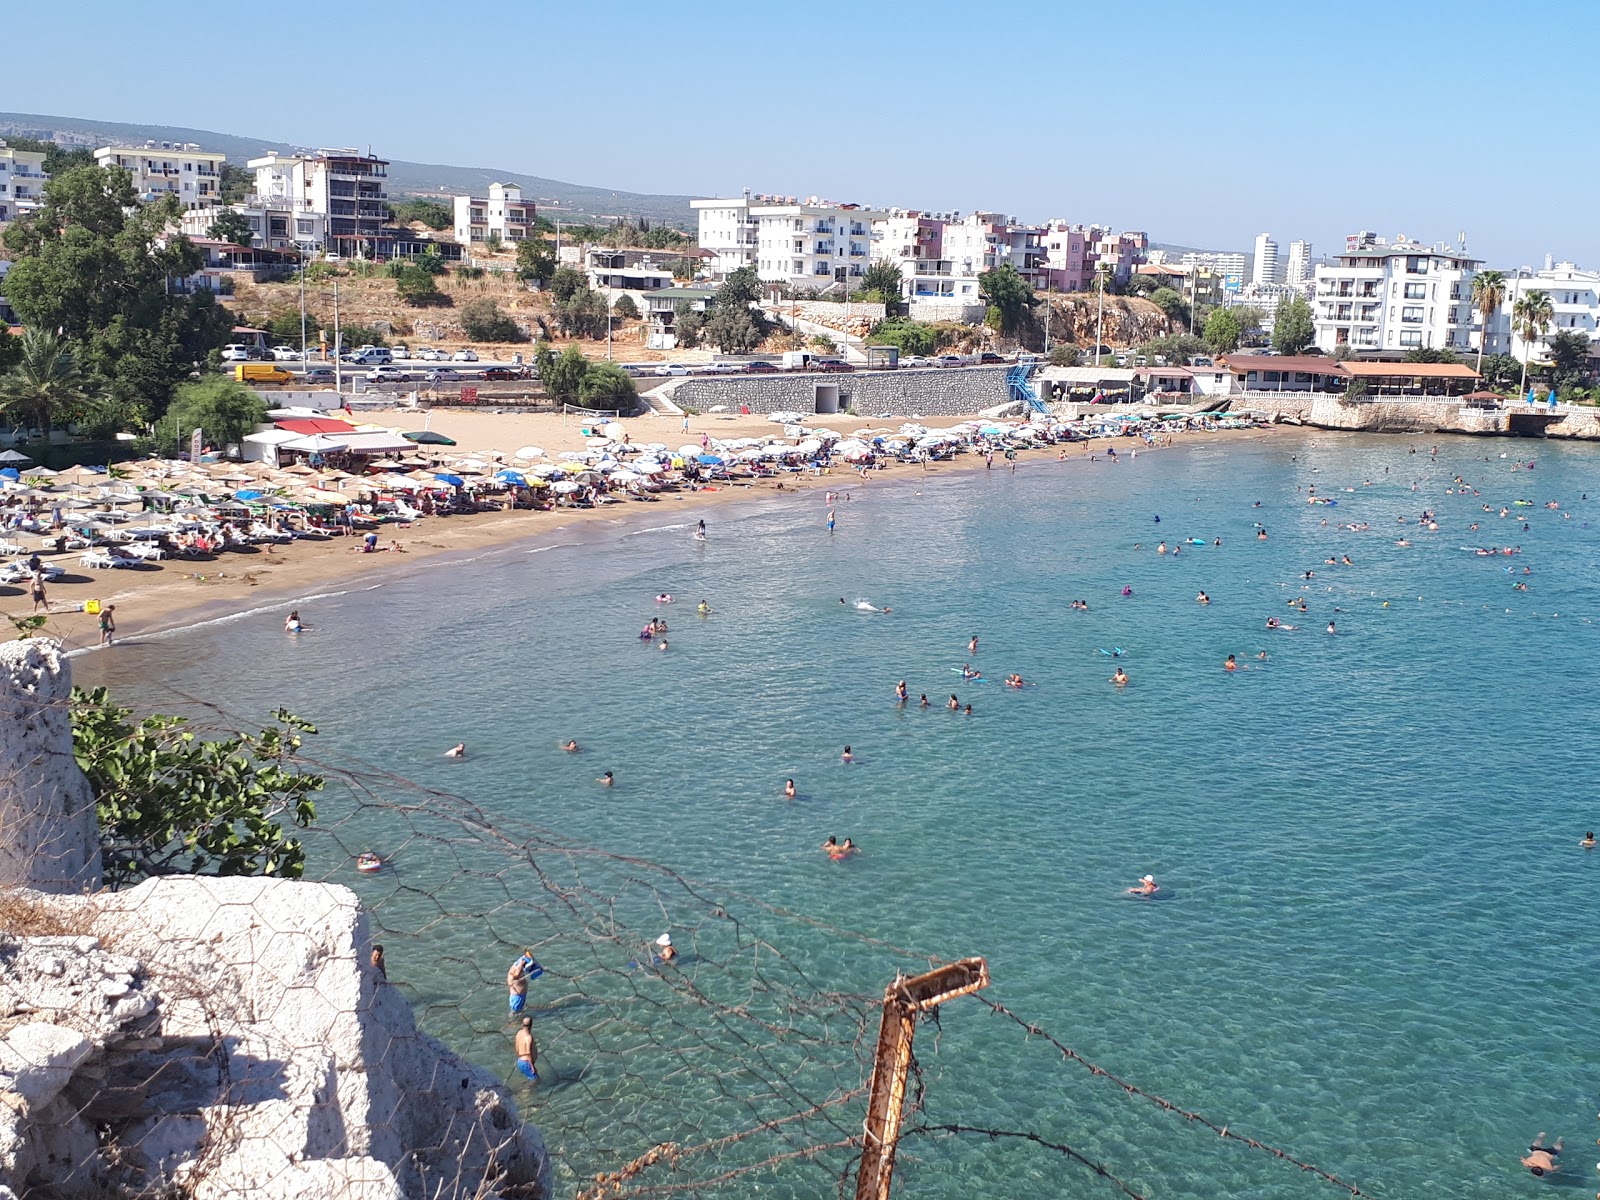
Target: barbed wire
[[1028, 1136]]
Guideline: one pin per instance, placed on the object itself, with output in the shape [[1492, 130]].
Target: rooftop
[[1405, 370], [1307, 363]]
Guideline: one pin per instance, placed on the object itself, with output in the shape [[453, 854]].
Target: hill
[[405, 178]]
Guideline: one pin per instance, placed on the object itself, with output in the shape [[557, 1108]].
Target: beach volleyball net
[[738, 1066]]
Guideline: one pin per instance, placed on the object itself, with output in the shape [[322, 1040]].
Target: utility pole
[[903, 1001], [1100, 315], [338, 343], [302, 311]]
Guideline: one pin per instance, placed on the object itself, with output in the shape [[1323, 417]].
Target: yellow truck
[[262, 373]]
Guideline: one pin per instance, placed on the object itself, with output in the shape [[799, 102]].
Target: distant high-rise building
[[1265, 267], [1299, 270]]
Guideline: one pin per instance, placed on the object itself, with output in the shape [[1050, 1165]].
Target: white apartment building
[[729, 232], [982, 241], [22, 181], [813, 243], [1299, 266], [1574, 301], [503, 214], [1225, 263], [1264, 268], [346, 188], [1403, 295], [178, 169]]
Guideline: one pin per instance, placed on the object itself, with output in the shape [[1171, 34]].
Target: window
[[1412, 315], [1416, 291], [1411, 337]]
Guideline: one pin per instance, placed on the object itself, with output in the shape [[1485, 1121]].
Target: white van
[[372, 356]]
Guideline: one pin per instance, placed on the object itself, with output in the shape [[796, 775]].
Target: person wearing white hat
[[1146, 887], [667, 952]]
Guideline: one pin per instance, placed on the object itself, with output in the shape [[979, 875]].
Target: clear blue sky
[[1201, 123]]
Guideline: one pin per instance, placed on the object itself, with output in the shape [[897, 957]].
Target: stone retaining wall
[[1431, 414], [956, 391]]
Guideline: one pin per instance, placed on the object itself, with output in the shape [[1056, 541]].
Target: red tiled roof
[[1409, 370]]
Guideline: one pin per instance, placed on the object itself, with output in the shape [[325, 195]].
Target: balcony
[[823, 248]]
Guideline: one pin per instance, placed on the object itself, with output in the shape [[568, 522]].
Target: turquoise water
[[1378, 938]]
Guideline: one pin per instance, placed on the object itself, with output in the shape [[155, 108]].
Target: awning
[[315, 444], [374, 443], [310, 425], [272, 437]]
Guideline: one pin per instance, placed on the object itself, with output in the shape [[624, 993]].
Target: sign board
[[469, 394], [1232, 283], [196, 444]]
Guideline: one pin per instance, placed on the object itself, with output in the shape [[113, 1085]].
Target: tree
[[45, 388], [606, 385], [736, 330], [222, 409], [1064, 355], [57, 158], [416, 287], [1008, 292], [234, 183], [1531, 315], [97, 267], [544, 357], [1293, 328], [1176, 349], [535, 262], [687, 323], [1223, 331], [1171, 303], [564, 379], [492, 243], [1569, 357], [739, 290], [285, 327], [884, 278], [566, 280], [1488, 294], [582, 314], [912, 337], [170, 802], [482, 321], [1145, 285], [1500, 371], [422, 211], [229, 226], [626, 308]]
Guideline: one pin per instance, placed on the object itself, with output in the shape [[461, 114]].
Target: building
[[1574, 302], [1298, 271], [1401, 296], [345, 187], [1227, 263], [729, 232], [812, 244], [22, 181], [273, 225], [634, 271], [932, 286], [503, 214], [178, 169], [1264, 267], [1277, 373], [983, 241]]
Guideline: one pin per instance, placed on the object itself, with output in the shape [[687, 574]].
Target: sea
[[1376, 936]]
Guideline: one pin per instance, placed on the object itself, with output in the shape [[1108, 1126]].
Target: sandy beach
[[171, 594]]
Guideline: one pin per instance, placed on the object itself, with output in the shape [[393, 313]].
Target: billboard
[[1232, 283]]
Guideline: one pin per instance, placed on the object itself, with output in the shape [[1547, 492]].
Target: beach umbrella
[[11, 457], [507, 475], [708, 460], [452, 480], [12, 474], [597, 443], [529, 452], [565, 487], [470, 466], [427, 437], [587, 477], [625, 477]]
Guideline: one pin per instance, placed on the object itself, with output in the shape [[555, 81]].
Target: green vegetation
[[1430, 354], [1176, 349], [45, 388], [1293, 328], [565, 281], [483, 321], [570, 378], [434, 214], [624, 234], [221, 408], [582, 313], [687, 323], [57, 158], [230, 226], [536, 262], [912, 337], [1223, 331], [234, 183], [1010, 298], [1499, 371], [1569, 359], [884, 278], [285, 328], [493, 243], [1062, 355], [731, 324], [416, 286], [1171, 303], [625, 308], [172, 802], [606, 385], [363, 335], [95, 266]]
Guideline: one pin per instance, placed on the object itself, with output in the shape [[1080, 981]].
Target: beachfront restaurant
[[1410, 379], [1286, 373], [1087, 385]]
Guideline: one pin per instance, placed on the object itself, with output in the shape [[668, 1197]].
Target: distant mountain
[[405, 178]]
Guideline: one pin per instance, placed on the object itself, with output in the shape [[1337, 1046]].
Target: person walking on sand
[[40, 600], [108, 624], [527, 1048]]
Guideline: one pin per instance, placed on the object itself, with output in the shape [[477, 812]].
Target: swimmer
[[606, 780], [1542, 1159], [664, 598], [1261, 656], [662, 645], [291, 623], [459, 750], [1014, 681], [1147, 886], [703, 609], [1346, 561], [1261, 535], [788, 789], [1127, 591], [967, 711], [668, 951], [1162, 548], [900, 692], [1120, 678], [968, 673], [1202, 598], [1588, 840], [972, 646], [954, 703], [1331, 629], [1231, 665], [570, 746], [843, 850], [847, 756], [924, 702]]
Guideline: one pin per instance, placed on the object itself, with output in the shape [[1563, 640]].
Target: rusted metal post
[[903, 1001]]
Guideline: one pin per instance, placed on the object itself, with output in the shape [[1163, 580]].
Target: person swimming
[[662, 645], [1231, 665], [664, 598], [703, 608], [900, 692], [291, 623], [1014, 681], [1542, 1159], [570, 746], [1146, 886], [1588, 840], [606, 780], [1127, 591], [1120, 677], [972, 646], [924, 702], [847, 756], [1202, 598], [968, 673], [459, 750], [788, 789], [954, 703]]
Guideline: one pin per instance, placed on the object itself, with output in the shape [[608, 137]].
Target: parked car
[[387, 375], [371, 356], [759, 367], [948, 360], [464, 356], [989, 358], [503, 373], [429, 354], [916, 360], [235, 352], [831, 365], [318, 375], [400, 350], [672, 369], [286, 353], [262, 373], [720, 368], [444, 375]]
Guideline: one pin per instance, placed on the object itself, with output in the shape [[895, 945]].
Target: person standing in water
[[972, 646], [900, 692], [830, 520], [527, 1049]]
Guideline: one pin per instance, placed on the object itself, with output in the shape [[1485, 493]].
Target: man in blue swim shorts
[[524, 969], [527, 1051]]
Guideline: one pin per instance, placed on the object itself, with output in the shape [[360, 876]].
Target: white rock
[[37, 1059], [51, 838]]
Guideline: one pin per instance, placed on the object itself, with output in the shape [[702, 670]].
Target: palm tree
[[45, 386], [1488, 294], [1532, 316]]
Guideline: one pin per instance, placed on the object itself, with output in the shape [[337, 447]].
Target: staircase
[[1018, 382]]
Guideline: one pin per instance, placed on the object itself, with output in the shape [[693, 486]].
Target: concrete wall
[[956, 391], [824, 313], [1433, 414], [946, 310]]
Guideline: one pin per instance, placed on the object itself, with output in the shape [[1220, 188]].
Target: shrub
[[482, 321]]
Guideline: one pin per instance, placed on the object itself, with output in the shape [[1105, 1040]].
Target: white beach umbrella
[[564, 487], [625, 477], [690, 451], [530, 452], [809, 446]]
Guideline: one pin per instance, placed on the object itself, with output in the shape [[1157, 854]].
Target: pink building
[[1073, 253]]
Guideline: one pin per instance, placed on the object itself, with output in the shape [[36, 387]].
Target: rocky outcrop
[[48, 836], [1128, 320], [228, 1038]]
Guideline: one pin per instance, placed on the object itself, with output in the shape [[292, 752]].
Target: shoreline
[[178, 596]]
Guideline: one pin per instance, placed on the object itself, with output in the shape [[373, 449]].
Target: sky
[[1202, 124]]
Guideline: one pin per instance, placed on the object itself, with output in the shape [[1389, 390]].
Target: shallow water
[[1379, 928]]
